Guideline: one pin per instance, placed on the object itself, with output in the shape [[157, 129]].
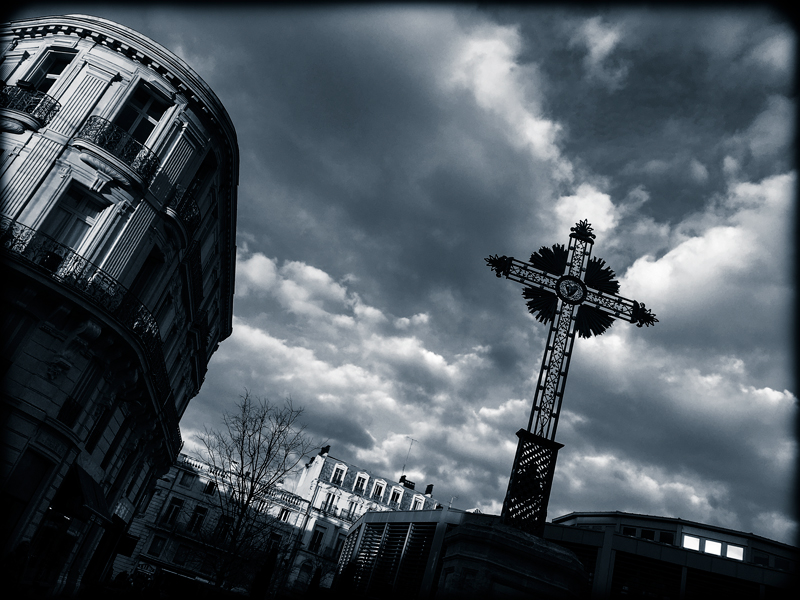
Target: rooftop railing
[[119, 143], [62, 264], [36, 104]]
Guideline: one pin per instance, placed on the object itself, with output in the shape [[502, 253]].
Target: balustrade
[[38, 105], [70, 269], [119, 143]]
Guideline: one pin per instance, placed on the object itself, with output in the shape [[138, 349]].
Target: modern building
[[456, 554], [119, 171], [635, 556]]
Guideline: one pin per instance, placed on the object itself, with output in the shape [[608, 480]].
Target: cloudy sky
[[386, 151]]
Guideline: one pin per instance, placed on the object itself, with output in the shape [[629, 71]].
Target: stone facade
[[119, 170]]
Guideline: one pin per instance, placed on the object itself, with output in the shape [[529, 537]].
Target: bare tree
[[259, 445]]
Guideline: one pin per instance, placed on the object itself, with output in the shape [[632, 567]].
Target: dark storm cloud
[[386, 151]]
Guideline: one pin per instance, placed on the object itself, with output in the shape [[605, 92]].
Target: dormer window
[[360, 484], [338, 475], [377, 490], [397, 495], [419, 502], [141, 113]]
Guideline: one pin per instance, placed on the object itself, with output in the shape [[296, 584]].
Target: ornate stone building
[[119, 171]]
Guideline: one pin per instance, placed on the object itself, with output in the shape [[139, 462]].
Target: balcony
[[118, 148], [62, 264], [31, 109]]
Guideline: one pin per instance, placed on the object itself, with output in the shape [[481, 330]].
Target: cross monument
[[575, 293]]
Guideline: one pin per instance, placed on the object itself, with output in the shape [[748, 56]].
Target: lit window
[[735, 552], [691, 543], [338, 475], [712, 547]]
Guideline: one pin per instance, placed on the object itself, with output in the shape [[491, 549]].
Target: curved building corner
[[118, 186]]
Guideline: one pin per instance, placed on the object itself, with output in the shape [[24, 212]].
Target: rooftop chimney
[[406, 483], [429, 490], [325, 450]]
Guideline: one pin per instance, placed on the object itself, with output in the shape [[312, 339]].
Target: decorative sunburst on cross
[[575, 293]]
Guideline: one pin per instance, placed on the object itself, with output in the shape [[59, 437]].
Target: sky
[[387, 150]]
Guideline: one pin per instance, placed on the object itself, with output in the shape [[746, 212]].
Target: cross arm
[[620, 308], [611, 304], [521, 272]]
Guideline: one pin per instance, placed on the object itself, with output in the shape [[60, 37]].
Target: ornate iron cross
[[575, 293]]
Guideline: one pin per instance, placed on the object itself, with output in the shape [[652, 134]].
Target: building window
[[316, 539], [197, 518], [418, 503], [338, 475], [51, 68], [210, 488], [361, 483], [351, 509], [648, 534], [396, 496], [712, 547], [629, 531], [691, 543], [666, 537], [157, 546], [734, 552], [141, 113], [338, 547], [223, 528], [186, 479], [181, 555], [284, 514], [173, 510], [761, 559], [330, 502], [72, 218], [377, 490]]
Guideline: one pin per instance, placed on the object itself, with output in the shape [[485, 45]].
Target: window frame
[[359, 476], [399, 492], [378, 483], [156, 137], [339, 468], [39, 71]]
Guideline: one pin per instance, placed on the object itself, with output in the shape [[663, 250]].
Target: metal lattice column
[[525, 505]]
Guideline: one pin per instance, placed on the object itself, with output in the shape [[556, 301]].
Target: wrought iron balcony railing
[[38, 105], [69, 268], [119, 143]]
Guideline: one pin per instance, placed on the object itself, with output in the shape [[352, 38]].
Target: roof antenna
[[408, 437]]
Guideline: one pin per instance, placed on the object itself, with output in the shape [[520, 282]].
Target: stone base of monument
[[482, 558]]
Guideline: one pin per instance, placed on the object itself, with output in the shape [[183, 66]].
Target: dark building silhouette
[[119, 170]]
